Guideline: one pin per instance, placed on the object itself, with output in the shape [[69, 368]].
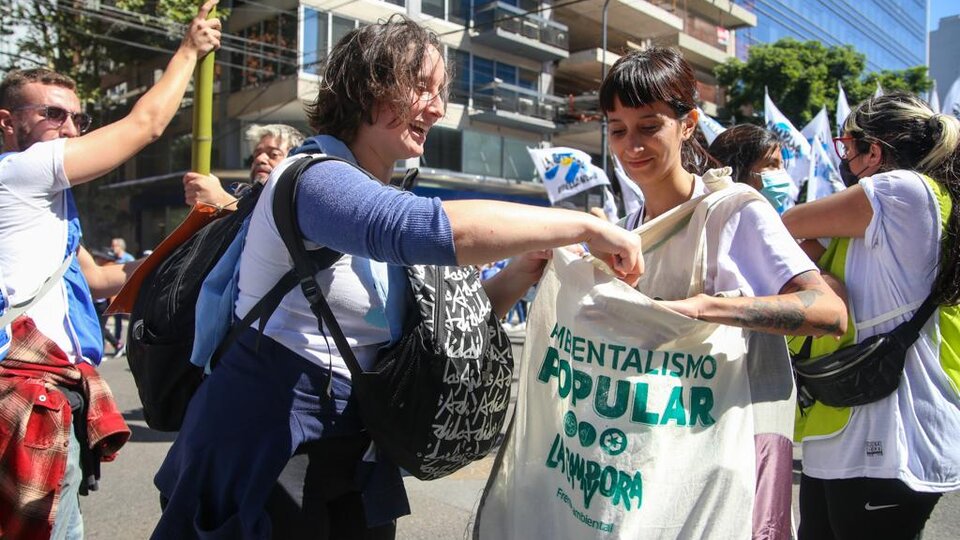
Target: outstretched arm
[[845, 214], [104, 149], [104, 280], [806, 306]]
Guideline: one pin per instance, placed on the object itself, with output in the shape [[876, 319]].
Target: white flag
[[951, 102], [710, 127], [566, 171], [934, 99], [879, 91], [824, 176], [843, 109], [610, 205], [795, 147], [820, 125], [629, 190]]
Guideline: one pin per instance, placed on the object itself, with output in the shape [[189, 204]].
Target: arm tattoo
[[771, 314], [808, 297]]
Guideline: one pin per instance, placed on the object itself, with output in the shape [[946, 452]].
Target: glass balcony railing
[[500, 96], [512, 19]]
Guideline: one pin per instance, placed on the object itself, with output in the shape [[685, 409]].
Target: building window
[[443, 149], [321, 32], [269, 51], [482, 153], [460, 88], [517, 164], [434, 8]]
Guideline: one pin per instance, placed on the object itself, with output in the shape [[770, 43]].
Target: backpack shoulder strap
[[285, 190], [304, 265]]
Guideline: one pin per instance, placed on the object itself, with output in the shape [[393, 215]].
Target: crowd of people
[[272, 444]]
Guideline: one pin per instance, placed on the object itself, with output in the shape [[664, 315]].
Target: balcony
[[510, 28], [586, 66], [579, 123], [719, 12], [629, 17], [697, 52], [514, 106]]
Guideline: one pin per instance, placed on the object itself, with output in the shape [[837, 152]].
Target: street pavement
[[127, 506]]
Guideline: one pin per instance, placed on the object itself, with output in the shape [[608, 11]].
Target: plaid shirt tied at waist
[[35, 423]]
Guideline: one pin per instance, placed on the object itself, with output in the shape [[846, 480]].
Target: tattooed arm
[[805, 306]]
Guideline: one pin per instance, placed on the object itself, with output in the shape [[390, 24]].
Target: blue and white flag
[[820, 125], [934, 99], [629, 190], [710, 127], [794, 146], [951, 102], [843, 109], [566, 171], [824, 178]]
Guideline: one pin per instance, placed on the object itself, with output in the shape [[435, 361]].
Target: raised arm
[[102, 150]]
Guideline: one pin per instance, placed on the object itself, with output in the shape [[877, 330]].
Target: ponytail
[[913, 137]]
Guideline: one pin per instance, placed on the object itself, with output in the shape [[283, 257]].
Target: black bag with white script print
[[436, 400]]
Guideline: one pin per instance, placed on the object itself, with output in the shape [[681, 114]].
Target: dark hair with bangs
[[645, 77], [376, 63], [740, 147]]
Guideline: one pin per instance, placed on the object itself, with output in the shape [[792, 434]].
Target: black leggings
[[868, 508]]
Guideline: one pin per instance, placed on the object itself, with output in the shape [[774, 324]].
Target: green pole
[[203, 113]]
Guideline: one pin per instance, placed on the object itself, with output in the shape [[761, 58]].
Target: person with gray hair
[[269, 143]]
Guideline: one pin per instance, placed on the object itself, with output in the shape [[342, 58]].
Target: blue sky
[[940, 9]]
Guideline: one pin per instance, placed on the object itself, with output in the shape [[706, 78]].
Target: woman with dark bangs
[[757, 277], [288, 392]]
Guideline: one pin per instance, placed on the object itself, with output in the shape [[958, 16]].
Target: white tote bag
[[632, 421]]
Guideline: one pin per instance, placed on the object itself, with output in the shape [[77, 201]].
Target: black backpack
[[161, 330], [437, 399]]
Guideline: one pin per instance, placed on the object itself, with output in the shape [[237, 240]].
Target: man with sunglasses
[[71, 415], [271, 144]]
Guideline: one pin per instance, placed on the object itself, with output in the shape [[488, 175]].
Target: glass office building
[[891, 33]]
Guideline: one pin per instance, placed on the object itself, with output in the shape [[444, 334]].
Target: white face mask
[[776, 188]]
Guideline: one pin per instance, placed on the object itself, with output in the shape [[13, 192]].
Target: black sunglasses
[[59, 115]]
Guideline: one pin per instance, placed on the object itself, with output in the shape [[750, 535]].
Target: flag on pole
[[710, 127], [824, 178], [820, 125], [934, 99], [566, 171], [879, 91], [951, 102], [843, 109], [629, 191], [795, 147]]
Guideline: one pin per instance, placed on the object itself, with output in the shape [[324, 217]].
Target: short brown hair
[[13, 83], [379, 62]]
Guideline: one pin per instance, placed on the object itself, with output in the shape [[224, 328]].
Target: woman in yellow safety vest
[[877, 470]]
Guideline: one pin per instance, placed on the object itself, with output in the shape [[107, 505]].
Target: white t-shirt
[[756, 255], [359, 311], [33, 235], [913, 434]]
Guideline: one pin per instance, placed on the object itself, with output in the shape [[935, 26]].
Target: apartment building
[[525, 75]]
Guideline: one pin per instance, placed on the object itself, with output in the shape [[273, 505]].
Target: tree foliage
[[85, 39], [801, 77]]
